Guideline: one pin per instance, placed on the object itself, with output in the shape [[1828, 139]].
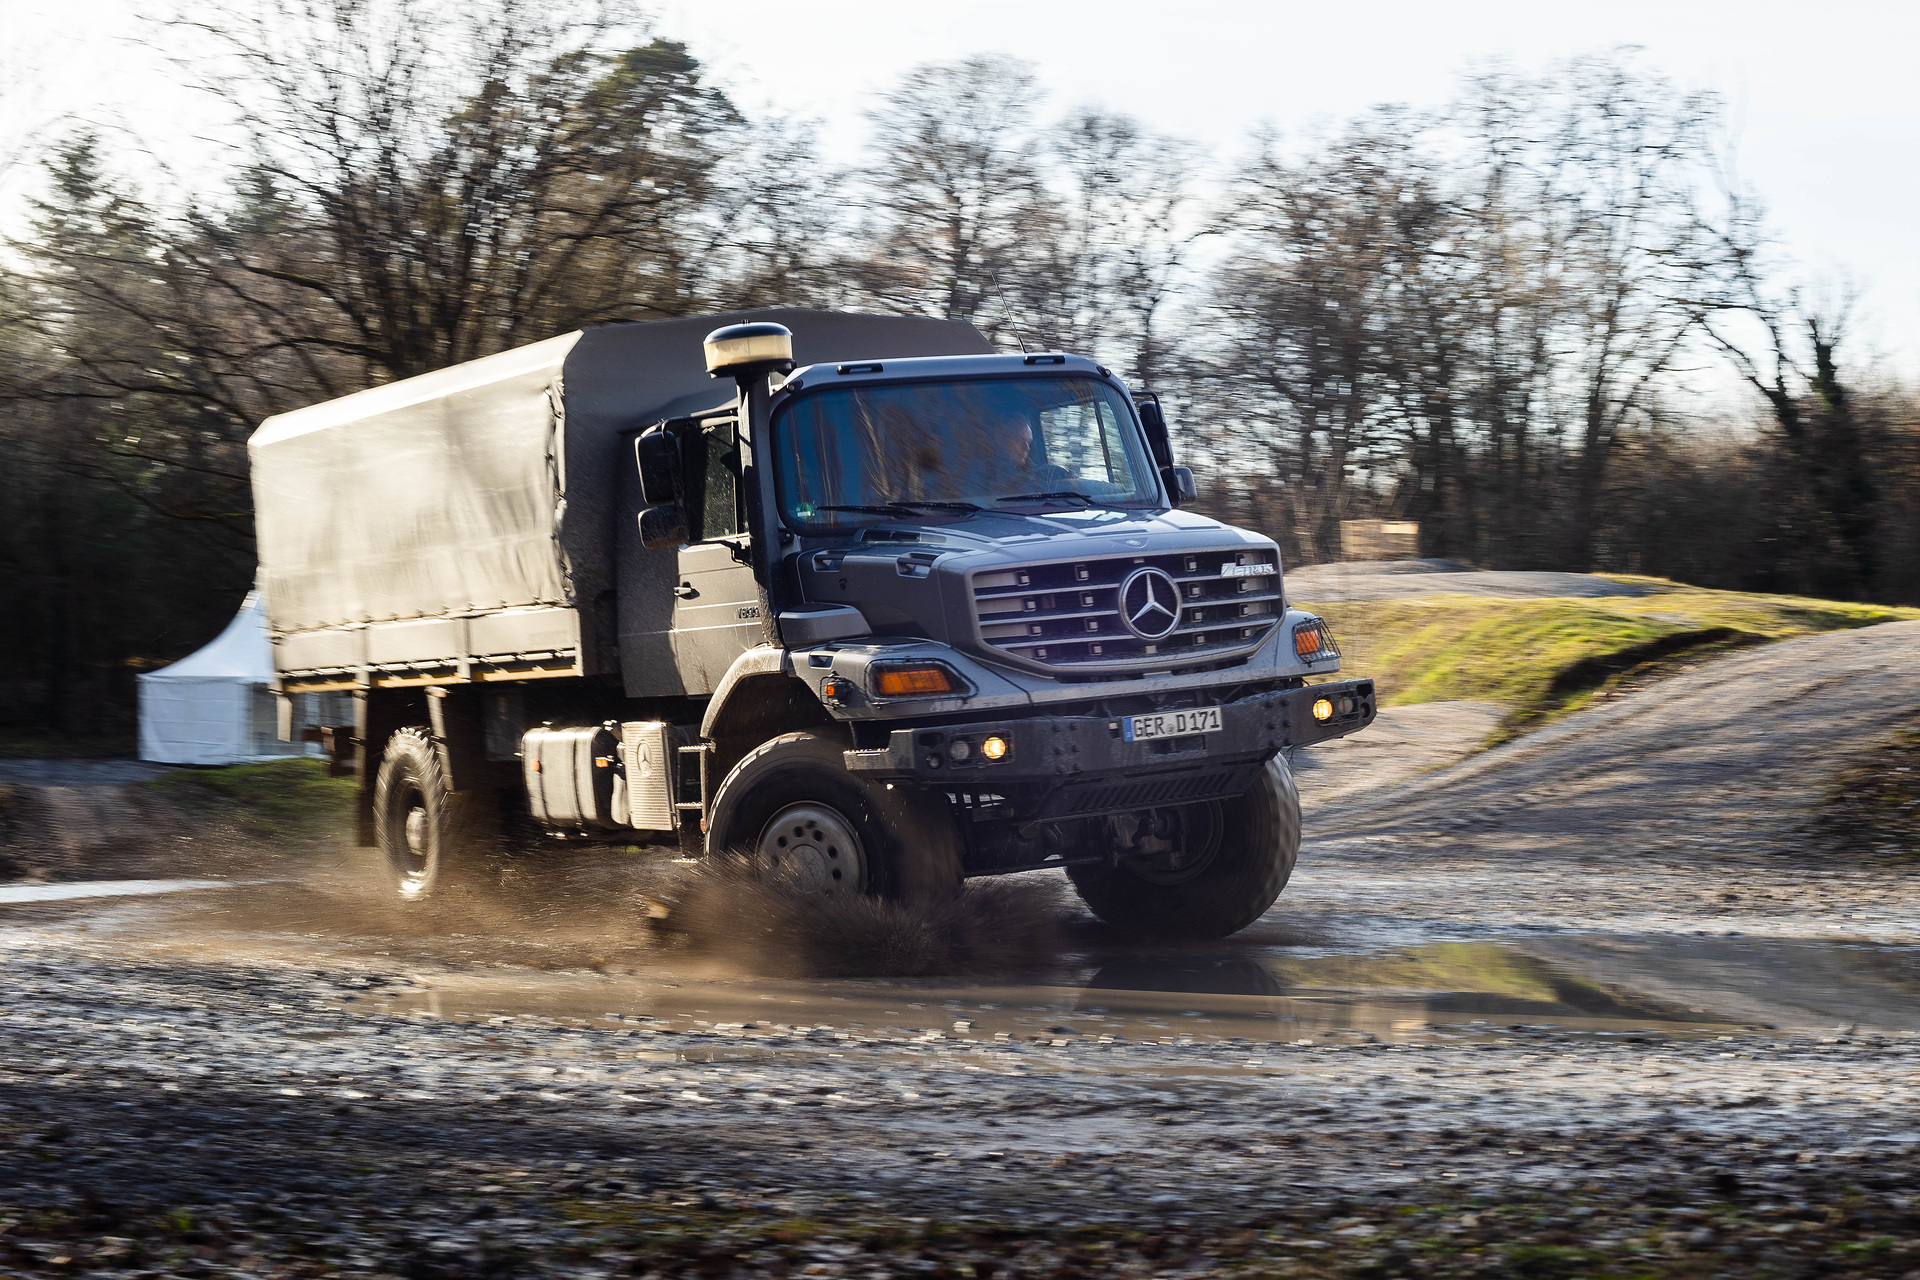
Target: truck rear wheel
[[427, 833], [792, 807], [1231, 858]]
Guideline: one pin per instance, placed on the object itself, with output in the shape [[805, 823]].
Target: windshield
[[847, 455]]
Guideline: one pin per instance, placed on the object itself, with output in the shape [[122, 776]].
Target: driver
[[1011, 441], [1010, 451]]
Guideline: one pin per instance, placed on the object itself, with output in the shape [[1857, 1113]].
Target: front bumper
[[1080, 766]]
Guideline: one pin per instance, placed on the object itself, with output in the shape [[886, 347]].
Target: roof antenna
[[1012, 328]]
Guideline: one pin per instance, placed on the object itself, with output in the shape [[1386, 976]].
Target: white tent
[[213, 706]]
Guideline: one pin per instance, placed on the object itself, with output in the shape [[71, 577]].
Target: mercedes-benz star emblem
[[1150, 603]]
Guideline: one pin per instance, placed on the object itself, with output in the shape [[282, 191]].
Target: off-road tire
[[454, 835], [1259, 839], [911, 850]]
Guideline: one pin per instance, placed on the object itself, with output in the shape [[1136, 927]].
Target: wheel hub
[[417, 831], [1193, 834], [814, 849]]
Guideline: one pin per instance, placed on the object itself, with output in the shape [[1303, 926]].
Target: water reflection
[[1600, 984]]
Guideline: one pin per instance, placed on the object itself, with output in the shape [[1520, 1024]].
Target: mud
[[1597, 1002]]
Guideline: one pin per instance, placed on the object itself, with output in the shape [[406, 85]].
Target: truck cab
[[890, 619]]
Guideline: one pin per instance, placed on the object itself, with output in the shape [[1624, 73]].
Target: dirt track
[[254, 1066]]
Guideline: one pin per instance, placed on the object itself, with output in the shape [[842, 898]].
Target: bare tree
[[1610, 163], [1309, 309], [441, 185], [780, 230], [953, 190], [1105, 275]]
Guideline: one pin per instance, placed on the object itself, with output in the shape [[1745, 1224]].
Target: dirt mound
[[85, 833], [1737, 753]]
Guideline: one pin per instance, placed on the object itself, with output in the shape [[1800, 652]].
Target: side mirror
[[662, 526], [1180, 485], [1155, 421], [656, 454]]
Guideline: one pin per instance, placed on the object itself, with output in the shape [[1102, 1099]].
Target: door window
[[713, 505]]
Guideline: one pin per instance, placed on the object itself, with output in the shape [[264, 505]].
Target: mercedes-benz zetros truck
[[853, 596]]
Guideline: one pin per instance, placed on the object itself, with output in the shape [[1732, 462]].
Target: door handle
[[685, 591]]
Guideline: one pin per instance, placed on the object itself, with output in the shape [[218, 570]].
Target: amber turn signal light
[[1306, 641], [912, 682]]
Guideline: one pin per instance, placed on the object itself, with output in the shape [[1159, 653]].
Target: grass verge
[[275, 798], [1547, 657]]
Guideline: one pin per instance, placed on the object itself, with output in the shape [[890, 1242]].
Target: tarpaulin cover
[[434, 495], [493, 485]]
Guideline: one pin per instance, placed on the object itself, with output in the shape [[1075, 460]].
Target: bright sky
[[1825, 96]]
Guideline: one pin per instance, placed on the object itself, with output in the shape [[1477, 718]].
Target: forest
[[1544, 320]]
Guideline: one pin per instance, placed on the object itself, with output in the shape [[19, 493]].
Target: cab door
[[716, 610]]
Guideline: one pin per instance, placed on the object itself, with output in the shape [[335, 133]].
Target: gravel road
[[197, 1086], [1405, 579]]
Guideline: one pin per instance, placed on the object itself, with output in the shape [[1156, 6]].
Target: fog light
[[1322, 709], [959, 749], [994, 748]]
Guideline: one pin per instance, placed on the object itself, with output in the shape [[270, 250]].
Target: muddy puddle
[[1580, 983], [1282, 981]]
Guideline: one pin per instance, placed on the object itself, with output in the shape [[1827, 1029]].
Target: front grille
[[1068, 617]]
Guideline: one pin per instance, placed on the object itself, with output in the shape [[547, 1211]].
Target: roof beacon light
[[743, 350]]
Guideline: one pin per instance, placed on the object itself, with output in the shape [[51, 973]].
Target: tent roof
[[240, 653]]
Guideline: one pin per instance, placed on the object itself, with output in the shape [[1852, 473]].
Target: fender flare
[[739, 699]]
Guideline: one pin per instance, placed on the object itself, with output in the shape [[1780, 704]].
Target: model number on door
[[1169, 724]]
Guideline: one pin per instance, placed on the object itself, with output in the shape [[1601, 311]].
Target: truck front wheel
[[426, 831], [1228, 861], [792, 808]]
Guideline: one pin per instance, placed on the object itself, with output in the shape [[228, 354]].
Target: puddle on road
[[1287, 979], [20, 894], [1580, 983]]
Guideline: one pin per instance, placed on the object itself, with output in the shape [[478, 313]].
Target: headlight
[[1313, 641], [914, 682]]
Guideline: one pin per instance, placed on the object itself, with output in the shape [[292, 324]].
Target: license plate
[[1169, 724]]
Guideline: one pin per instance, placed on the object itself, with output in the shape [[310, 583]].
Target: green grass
[[1547, 657], [274, 798]]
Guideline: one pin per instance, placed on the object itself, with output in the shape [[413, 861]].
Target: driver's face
[[1015, 439]]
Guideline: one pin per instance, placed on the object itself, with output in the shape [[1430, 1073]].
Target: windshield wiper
[[1052, 495], [906, 506]]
